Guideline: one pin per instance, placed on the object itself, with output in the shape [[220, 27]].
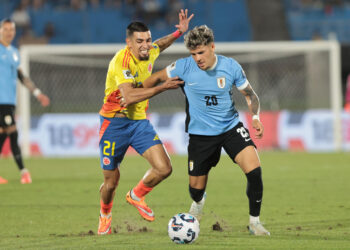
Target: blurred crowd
[[153, 12]]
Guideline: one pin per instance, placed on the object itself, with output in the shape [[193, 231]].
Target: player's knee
[[166, 171], [110, 186], [255, 183], [196, 194]]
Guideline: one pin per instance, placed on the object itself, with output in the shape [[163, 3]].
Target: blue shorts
[[117, 134]]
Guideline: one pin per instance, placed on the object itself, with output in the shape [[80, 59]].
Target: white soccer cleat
[[197, 208], [257, 228]]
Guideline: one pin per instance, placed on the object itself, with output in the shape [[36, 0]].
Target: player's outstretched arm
[[254, 107], [43, 99], [182, 27], [131, 95], [155, 78]]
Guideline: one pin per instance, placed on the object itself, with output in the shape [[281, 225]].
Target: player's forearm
[[166, 41], [252, 101], [26, 81], [141, 94], [154, 79]]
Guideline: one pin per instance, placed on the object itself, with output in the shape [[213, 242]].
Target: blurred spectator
[[151, 11], [115, 4], [172, 10], [77, 5], [21, 16], [94, 4], [37, 5], [133, 9], [28, 37]]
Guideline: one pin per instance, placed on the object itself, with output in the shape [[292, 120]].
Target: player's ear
[[128, 42]]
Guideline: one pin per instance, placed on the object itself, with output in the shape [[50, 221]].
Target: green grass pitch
[[306, 205]]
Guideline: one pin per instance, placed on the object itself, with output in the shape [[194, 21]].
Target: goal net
[[294, 76]]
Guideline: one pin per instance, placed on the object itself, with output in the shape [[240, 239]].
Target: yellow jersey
[[124, 68]]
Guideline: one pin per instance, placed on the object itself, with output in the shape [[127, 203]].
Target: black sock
[[254, 191], [3, 137], [16, 151]]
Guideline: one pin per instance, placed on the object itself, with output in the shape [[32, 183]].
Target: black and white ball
[[183, 228]]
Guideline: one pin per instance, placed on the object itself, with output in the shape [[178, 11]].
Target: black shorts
[[204, 151], [7, 115]]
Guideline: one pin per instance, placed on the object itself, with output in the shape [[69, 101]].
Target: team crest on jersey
[[8, 120], [221, 82], [127, 74], [106, 161], [190, 165], [149, 67]]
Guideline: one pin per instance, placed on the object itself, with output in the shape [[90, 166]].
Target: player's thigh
[[158, 157], [248, 159], [7, 119], [198, 182], [147, 143], [114, 141], [236, 142], [203, 154]]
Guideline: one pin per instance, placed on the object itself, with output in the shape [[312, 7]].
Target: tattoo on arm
[[26, 81], [165, 42], [252, 100]]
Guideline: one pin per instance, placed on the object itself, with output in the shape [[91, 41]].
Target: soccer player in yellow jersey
[[122, 127]]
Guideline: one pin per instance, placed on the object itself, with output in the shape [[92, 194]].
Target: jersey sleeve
[[121, 69], [155, 50], [240, 78], [177, 68]]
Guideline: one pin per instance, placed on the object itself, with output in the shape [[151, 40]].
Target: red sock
[[106, 208], [141, 190]]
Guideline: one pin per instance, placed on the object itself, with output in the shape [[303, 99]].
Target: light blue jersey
[[9, 62], [209, 105]]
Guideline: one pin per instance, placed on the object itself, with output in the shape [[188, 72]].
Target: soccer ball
[[183, 228]]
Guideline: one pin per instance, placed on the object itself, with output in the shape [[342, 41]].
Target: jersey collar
[[215, 63]]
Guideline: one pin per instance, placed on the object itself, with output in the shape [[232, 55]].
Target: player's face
[[7, 33], [204, 56], [140, 43]]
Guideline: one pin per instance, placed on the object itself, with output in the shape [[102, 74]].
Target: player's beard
[[144, 58]]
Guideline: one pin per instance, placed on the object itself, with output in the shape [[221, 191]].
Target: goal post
[[286, 75]]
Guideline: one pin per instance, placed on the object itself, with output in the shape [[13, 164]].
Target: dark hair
[[136, 27], [6, 20]]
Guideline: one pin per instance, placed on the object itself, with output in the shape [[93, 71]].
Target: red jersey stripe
[[103, 128]]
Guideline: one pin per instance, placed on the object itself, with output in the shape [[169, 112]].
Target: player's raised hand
[[184, 20], [259, 128], [173, 83], [43, 99]]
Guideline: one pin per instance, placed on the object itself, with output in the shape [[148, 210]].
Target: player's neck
[[4, 43], [214, 64]]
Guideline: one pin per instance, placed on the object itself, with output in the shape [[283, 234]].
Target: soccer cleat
[[104, 225], [197, 208], [3, 181], [141, 205], [25, 177], [257, 229]]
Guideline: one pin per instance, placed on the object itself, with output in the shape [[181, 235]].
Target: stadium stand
[[104, 21]]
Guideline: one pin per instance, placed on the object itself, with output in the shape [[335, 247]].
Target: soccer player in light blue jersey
[[9, 72], [213, 121]]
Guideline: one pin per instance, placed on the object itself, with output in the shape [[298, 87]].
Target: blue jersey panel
[[210, 109], [9, 62]]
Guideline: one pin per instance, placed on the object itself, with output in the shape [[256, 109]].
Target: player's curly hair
[[199, 35]]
